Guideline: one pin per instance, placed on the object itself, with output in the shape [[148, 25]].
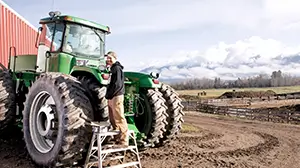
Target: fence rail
[[280, 115], [191, 104], [271, 114], [262, 98]]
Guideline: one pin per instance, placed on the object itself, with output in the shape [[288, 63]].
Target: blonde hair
[[112, 54]]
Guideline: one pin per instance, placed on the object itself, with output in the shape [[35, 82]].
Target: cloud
[[153, 16], [245, 51], [246, 57], [173, 32], [169, 15], [283, 14]]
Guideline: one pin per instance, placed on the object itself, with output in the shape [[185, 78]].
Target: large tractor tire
[[54, 132], [96, 93], [175, 112], [152, 116], [7, 99]]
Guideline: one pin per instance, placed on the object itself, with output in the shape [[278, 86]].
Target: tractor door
[[51, 37]]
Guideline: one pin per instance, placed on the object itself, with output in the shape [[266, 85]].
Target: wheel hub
[[44, 120]]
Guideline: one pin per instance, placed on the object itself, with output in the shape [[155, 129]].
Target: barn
[[16, 33]]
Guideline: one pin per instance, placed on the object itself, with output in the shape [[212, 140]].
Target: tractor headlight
[[102, 67], [154, 75]]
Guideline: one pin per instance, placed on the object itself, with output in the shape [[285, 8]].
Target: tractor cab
[[67, 40]]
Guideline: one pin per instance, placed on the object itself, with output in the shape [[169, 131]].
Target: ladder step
[[99, 124], [124, 165], [114, 158], [107, 158], [109, 133], [112, 133], [116, 150]]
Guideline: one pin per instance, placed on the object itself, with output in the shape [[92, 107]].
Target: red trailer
[[15, 31]]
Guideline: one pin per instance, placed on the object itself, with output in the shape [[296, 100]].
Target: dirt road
[[223, 142], [208, 141]]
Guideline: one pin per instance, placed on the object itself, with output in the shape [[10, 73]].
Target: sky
[[156, 32]]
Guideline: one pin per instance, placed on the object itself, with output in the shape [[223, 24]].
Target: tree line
[[276, 79]]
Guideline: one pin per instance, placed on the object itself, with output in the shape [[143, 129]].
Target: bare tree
[[277, 78]]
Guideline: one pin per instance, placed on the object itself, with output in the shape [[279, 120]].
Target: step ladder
[[97, 153]]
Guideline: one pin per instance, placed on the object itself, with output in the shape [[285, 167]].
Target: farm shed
[[15, 31]]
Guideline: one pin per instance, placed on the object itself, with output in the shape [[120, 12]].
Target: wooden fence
[[191, 105], [279, 115], [271, 114]]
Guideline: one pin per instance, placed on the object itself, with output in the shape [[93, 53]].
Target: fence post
[[188, 105]]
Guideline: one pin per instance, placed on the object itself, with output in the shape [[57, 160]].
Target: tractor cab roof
[[77, 20]]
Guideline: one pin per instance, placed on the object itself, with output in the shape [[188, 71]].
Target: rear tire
[[97, 96], [153, 120], [7, 99], [175, 112], [67, 130]]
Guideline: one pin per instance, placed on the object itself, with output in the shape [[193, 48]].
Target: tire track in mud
[[214, 143], [206, 137], [13, 151], [269, 143], [202, 142], [192, 156], [234, 158], [280, 147]]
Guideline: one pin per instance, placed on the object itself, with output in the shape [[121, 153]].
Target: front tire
[[54, 133]]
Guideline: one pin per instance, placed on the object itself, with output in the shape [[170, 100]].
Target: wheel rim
[[42, 122], [143, 119]]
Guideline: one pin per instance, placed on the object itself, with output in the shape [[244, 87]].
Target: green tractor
[[48, 94]]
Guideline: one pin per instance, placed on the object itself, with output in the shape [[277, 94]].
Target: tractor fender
[[142, 79], [87, 71]]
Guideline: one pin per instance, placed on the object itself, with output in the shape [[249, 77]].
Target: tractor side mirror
[[37, 37], [107, 69], [48, 54], [154, 75]]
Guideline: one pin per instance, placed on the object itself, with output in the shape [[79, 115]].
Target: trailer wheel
[[175, 112], [151, 116], [54, 133], [7, 99]]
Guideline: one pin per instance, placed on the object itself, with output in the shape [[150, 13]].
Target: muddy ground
[[207, 141]]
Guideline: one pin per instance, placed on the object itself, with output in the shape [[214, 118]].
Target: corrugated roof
[[17, 14]]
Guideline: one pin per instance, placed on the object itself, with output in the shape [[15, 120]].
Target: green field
[[218, 92]]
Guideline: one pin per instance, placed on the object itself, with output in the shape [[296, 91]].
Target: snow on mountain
[[244, 58]]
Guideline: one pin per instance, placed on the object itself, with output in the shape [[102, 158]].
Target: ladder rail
[[137, 150], [99, 143]]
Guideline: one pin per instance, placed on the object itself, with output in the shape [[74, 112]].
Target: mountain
[[244, 58]]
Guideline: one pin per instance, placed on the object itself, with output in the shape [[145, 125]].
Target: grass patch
[[189, 128], [211, 93]]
